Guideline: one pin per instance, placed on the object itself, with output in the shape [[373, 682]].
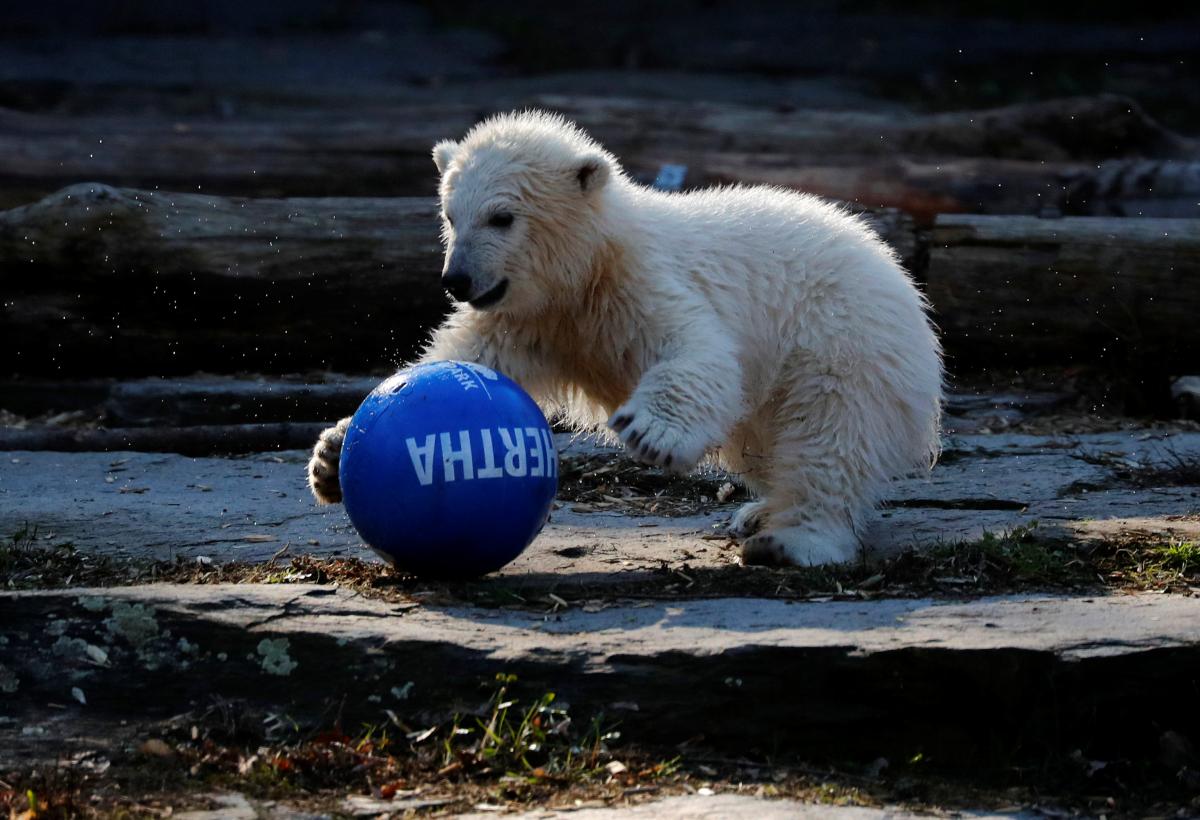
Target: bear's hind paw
[[749, 519], [800, 547]]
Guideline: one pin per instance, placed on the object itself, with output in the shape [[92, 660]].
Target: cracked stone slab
[[853, 678], [248, 508], [234, 806], [720, 806], [165, 506], [1071, 628], [1008, 481]]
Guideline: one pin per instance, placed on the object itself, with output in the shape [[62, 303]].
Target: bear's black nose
[[457, 285]]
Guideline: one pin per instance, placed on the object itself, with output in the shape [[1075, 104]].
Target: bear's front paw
[[655, 441], [323, 466]]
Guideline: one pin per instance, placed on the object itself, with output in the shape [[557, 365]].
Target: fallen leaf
[[417, 737], [156, 748], [360, 805], [873, 581], [390, 791]]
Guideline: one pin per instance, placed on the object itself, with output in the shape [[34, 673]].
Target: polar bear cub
[[766, 330]]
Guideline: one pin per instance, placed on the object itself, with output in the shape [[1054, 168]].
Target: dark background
[[1048, 109], [930, 54]]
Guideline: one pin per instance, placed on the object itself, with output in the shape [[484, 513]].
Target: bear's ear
[[591, 172], [443, 154]]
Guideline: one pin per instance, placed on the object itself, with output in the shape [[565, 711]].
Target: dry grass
[[604, 482], [516, 750], [519, 752], [1019, 560]]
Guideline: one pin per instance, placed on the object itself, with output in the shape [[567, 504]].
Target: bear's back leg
[[835, 442]]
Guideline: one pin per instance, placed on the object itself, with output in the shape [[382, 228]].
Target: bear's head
[[521, 198]]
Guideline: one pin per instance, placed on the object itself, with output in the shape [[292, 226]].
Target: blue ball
[[448, 470]]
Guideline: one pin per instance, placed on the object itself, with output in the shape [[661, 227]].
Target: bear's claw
[[652, 440], [764, 551]]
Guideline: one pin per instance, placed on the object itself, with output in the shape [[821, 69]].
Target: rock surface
[[248, 508], [975, 685], [233, 806], [832, 678], [719, 806]]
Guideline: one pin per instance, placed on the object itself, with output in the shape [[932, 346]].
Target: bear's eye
[[501, 220], [449, 220]]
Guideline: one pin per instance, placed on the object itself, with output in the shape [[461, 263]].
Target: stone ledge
[[984, 683]]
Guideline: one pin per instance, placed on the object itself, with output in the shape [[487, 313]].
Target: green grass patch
[[1013, 558], [528, 743], [515, 742], [1142, 564]]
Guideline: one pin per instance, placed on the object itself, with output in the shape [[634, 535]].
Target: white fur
[[765, 328]]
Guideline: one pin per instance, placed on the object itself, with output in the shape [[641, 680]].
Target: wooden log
[[1017, 290], [210, 400], [104, 281], [200, 440], [1134, 187], [42, 397], [213, 400], [385, 152], [924, 189], [220, 400], [100, 281], [311, 154], [202, 399], [1075, 128]]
